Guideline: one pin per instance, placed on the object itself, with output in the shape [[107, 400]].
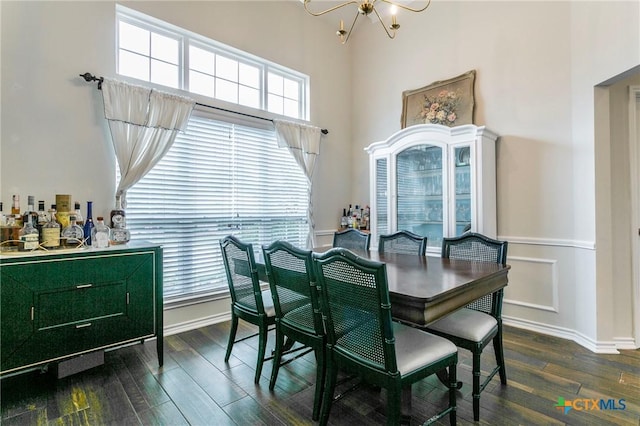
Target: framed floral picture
[[447, 102]]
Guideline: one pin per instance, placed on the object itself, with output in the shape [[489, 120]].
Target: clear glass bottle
[[88, 224], [51, 230], [3, 217], [42, 218], [30, 215], [100, 234], [42, 214], [15, 211], [78, 213], [117, 216], [343, 219], [28, 236], [72, 235], [15, 206]]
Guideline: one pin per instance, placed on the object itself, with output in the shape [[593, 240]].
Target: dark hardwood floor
[[196, 387]]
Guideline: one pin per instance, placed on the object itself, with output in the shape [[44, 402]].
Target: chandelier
[[366, 7]]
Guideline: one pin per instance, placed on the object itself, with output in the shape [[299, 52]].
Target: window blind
[[223, 176]]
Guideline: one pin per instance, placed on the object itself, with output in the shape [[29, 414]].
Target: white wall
[[54, 138], [537, 64]]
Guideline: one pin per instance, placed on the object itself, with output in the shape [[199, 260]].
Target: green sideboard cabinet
[[57, 305]]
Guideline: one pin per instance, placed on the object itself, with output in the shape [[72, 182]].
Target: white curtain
[[144, 123], [303, 142]]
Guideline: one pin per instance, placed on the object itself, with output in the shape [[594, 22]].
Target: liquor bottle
[[365, 217], [15, 206], [73, 234], [63, 209], [15, 211], [42, 218], [51, 230], [78, 213], [100, 234], [30, 215], [28, 235], [42, 214], [343, 219], [88, 224], [357, 215], [3, 217], [117, 216], [120, 235]]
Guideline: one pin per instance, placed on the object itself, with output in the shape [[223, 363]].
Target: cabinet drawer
[[80, 304]]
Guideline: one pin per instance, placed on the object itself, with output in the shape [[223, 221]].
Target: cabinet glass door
[[382, 205], [462, 187], [419, 192]]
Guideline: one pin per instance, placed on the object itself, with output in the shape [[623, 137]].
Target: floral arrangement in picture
[[447, 102], [441, 108]]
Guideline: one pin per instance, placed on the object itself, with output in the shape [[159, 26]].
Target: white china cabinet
[[434, 181]]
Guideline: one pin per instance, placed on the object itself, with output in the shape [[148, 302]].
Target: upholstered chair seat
[[467, 324]]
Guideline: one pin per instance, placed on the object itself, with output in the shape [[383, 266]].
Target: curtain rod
[[88, 77]]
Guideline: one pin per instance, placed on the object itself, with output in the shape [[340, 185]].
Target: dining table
[[423, 289]]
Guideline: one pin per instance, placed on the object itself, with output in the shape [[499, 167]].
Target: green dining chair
[[248, 302], [402, 242], [480, 322], [298, 318], [352, 239], [363, 340]]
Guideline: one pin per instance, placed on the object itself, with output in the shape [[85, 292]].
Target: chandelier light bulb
[[394, 23]]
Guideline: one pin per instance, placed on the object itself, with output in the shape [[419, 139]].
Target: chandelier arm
[[331, 9], [353, 24], [406, 7], [391, 36]]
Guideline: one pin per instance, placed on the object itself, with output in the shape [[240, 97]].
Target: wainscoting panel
[[533, 283]]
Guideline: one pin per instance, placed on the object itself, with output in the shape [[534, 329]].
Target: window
[[155, 51], [148, 55], [222, 176]]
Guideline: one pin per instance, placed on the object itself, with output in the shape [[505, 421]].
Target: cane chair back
[[352, 239], [357, 308], [242, 275], [477, 247], [402, 242], [290, 273]]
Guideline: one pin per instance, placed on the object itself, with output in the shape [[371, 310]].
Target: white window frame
[[187, 38]]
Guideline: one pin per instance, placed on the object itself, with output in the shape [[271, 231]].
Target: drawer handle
[[83, 325], [84, 286]]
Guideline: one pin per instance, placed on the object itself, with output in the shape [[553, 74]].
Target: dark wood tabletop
[[425, 288]]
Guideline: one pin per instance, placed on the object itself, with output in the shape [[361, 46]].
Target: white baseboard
[[598, 347], [625, 343], [197, 323]]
